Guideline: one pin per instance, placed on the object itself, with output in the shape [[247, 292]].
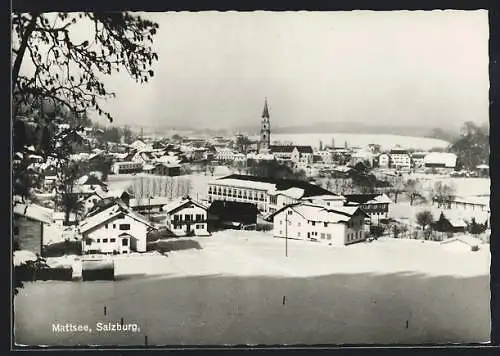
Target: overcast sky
[[215, 69]]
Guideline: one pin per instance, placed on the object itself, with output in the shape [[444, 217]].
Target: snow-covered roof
[[441, 158], [483, 166], [110, 213], [321, 213], [179, 202], [476, 200], [240, 183], [294, 193], [34, 212], [326, 197]]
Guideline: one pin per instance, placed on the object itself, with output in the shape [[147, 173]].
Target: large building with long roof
[[266, 193]]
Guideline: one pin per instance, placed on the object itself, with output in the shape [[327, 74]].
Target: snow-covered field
[[360, 140], [198, 181], [241, 289]]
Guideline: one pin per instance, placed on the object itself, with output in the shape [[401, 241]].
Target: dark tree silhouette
[[69, 71]]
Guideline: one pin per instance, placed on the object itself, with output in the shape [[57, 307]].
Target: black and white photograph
[[250, 178]]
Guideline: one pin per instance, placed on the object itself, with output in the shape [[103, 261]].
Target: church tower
[[265, 129]]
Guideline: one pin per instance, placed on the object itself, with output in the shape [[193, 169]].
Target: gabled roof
[[180, 203], [365, 198], [108, 213], [33, 212], [320, 213]]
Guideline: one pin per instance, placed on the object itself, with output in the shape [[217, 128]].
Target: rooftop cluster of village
[[121, 197]]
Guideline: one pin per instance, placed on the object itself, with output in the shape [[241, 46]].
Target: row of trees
[[170, 187]]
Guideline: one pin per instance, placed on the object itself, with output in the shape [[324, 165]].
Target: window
[[124, 242], [176, 217], [114, 226], [298, 234], [124, 226], [16, 230], [88, 242], [328, 236], [105, 240], [325, 224], [98, 240], [322, 236], [281, 232], [281, 222], [112, 240], [313, 223], [106, 226], [199, 217], [298, 224]]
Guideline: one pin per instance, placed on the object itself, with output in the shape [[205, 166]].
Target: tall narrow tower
[[265, 129]]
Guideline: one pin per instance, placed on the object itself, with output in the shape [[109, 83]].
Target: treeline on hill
[[113, 134], [472, 147]]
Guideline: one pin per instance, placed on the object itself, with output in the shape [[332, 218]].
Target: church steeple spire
[[265, 129], [265, 112]]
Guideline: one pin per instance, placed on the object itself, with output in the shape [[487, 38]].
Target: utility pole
[[286, 234]]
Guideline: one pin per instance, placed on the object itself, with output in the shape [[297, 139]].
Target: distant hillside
[[362, 128]]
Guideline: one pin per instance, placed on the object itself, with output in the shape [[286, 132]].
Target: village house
[[362, 156], [292, 153], [305, 221], [267, 194], [125, 167], [441, 161], [399, 158], [90, 202], [376, 206], [114, 228], [384, 160], [186, 217], [230, 214], [167, 169], [325, 155], [418, 159], [148, 205], [30, 222]]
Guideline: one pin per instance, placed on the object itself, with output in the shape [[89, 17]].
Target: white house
[[418, 159], [400, 158], [114, 228], [376, 206], [305, 221], [384, 160], [185, 216], [440, 160], [123, 167]]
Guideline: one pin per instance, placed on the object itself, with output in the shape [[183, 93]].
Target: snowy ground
[[246, 253], [241, 289]]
